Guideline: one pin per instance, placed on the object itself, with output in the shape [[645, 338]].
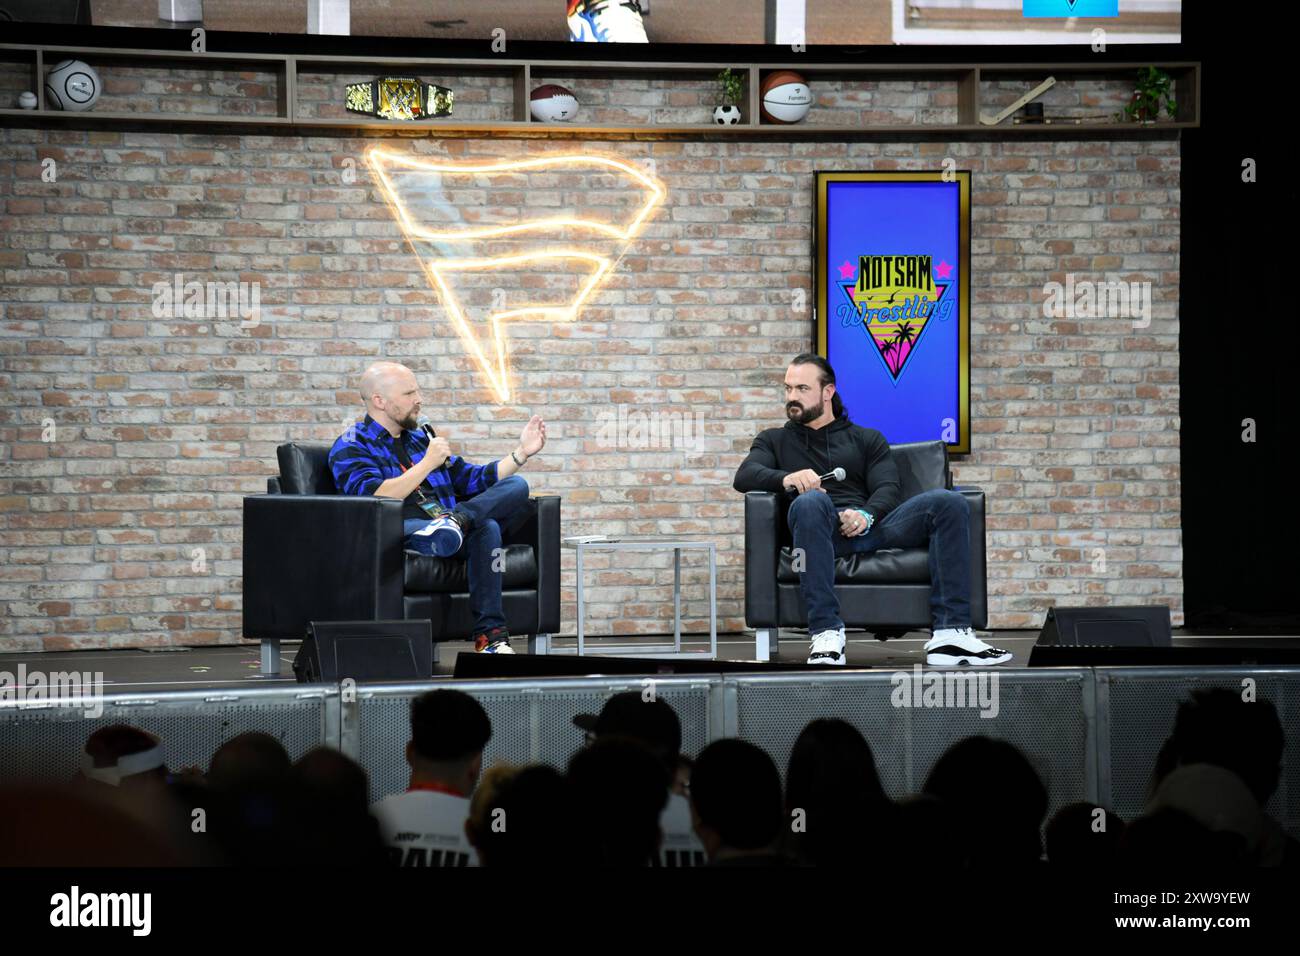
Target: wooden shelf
[[518, 126], [212, 119], [966, 102]]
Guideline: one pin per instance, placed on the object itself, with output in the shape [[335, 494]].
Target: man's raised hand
[[533, 438]]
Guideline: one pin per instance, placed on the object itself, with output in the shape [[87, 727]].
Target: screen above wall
[[673, 22]]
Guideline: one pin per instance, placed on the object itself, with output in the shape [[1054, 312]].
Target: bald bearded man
[[450, 507]]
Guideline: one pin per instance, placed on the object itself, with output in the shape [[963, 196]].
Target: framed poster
[[892, 284]]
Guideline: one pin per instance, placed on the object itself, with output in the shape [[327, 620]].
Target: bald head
[[380, 379], [391, 395]]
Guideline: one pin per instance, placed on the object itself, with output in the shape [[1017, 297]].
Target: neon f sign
[[463, 242]]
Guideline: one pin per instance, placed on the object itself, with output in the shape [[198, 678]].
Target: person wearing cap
[[124, 756], [653, 723], [425, 826]]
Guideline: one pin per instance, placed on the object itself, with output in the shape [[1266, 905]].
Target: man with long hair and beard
[[859, 515]]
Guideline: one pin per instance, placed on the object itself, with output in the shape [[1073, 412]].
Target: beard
[[797, 413], [411, 422]]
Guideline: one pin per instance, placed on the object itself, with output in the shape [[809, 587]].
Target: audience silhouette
[[1211, 783]]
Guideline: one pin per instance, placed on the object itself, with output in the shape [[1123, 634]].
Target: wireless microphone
[[426, 426], [839, 474]]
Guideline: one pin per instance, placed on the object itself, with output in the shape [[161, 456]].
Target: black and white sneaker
[[827, 647], [958, 646]]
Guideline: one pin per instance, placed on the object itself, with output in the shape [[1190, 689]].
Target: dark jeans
[[500, 510], [939, 519]]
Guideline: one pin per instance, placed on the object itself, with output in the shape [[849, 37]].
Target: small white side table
[[652, 543]]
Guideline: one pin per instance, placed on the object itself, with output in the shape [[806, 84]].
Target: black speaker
[[1140, 626], [1203, 652], [365, 651]]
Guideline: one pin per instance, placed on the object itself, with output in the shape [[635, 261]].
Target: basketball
[[785, 97]]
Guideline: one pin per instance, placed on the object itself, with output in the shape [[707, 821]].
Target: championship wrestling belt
[[399, 98]]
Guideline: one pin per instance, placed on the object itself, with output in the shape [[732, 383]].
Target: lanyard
[[419, 489]]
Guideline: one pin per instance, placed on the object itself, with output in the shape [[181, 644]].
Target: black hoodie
[[872, 480]]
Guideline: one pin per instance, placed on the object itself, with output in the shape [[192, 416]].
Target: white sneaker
[[827, 647], [952, 646]]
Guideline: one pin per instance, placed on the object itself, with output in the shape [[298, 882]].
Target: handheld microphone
[[839, 474], [426, 426]]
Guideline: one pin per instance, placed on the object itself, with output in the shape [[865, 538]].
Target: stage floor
[[217, 667]]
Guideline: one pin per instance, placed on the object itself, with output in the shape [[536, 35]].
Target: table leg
[[713, 602], [271, 657], [677, 600], [581, 643]]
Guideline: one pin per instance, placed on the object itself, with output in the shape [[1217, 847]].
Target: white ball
[[726, 115], [27, 100], [789, 102], [553, 104], [72, 85]]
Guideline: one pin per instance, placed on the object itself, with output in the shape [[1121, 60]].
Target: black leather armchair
[[312, 554], [886, 592]]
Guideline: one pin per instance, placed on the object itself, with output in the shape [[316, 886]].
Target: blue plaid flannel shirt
[[363, 458]]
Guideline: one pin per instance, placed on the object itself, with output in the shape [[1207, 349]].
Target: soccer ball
[[726, 115], [72, 85]]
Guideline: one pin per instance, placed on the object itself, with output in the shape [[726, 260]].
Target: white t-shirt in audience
[[680, 847], [425, 827]]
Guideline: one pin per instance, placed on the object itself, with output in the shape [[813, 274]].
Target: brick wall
[[124, 530]]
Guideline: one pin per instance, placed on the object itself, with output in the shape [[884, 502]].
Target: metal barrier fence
[[1047, 715], [532, 720], [1092, 734], [43, 739], [1137, 706]]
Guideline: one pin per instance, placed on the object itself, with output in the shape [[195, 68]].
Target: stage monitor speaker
[[1139, 626], [365, 651], [1191, 652]]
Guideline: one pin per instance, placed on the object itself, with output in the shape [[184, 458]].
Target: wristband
[[866, 514], [518, 463]]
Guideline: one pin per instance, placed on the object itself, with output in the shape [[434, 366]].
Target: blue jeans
[[938, 518], [501, 509]]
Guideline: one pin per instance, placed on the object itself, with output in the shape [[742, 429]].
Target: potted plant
[[731, 88], [1153, 87]]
